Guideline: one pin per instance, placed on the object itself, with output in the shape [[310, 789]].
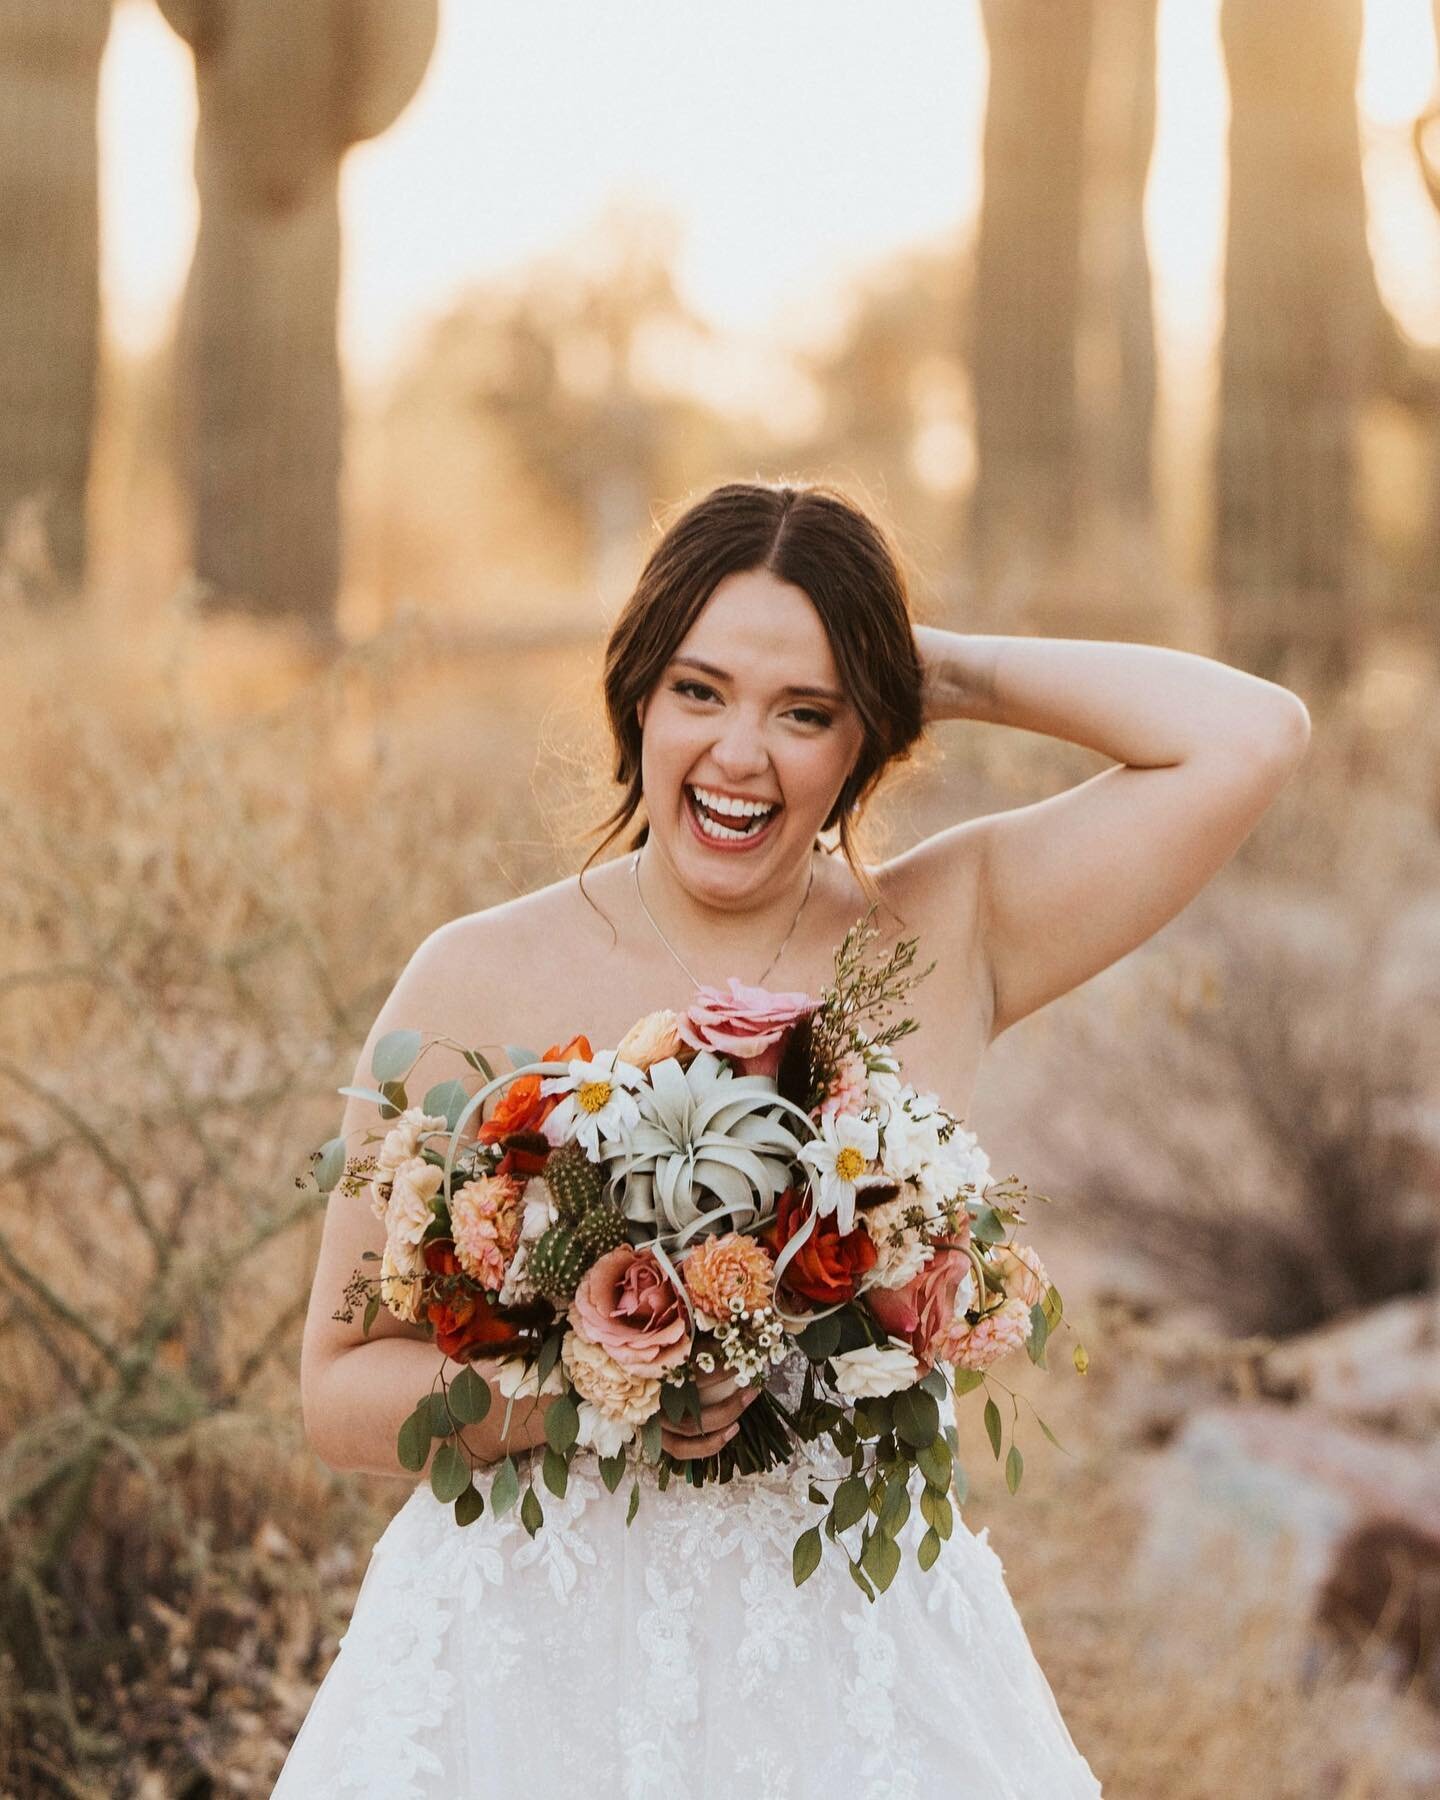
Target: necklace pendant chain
[[760, 979]]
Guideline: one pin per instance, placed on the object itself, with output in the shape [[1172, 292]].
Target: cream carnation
[[400, 1289], [485, 1224], [847, 1090], [415, 1184], [614, 1392], [875, 1369], [996, 1335], [406, 1136]]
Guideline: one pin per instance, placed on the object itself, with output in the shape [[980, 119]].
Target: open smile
[[727, 823]]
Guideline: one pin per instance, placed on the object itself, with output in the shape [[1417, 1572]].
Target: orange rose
[[464, 1319], [521, 1106], [829, 1263]]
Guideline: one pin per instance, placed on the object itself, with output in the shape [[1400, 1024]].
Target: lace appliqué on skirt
[[675, 1657]]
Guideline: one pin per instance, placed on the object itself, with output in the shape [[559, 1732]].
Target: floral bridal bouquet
[[722, 1188]]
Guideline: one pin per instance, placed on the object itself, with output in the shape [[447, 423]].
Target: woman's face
[[747, 740]]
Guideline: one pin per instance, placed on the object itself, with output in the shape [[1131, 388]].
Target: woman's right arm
[[355, 1391]]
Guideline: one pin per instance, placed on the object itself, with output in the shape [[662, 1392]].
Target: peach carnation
[[1022, 1273], [724, 1268], [485, 1223], [997, 1334]]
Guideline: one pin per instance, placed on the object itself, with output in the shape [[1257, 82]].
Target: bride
[[761, 678]]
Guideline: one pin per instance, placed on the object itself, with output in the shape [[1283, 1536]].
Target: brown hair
[[808, 534]]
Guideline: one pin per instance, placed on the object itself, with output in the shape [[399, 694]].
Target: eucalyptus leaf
[[363, 1093], [449, 1474], [438, 1415], [672, 1401], [805, 1558], [549, 1356], [857, 1575], [987, 1227], [447, 1099], [394, 1099], [934, 1460], [917, 1417], [1039, 1332], [1050, 1434], [477, 1061], [562, 1423], [372, 1307], [612, 1469], [505, 1488], [331, 1164], [555, 1470], [469, 1506], [936, 1511], [934, 1383], [395, 1055], [895, 1507], [820, 1340], [1014, 1468], [469, 1397], [532, 1514], [966, 1379], [961, 1484], [851, 1502], [650, 1444], [413, 1444], [992, 1426], [519, 1056], [634, 1505], [927, 1549]]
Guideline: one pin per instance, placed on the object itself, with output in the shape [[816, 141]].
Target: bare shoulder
[[474, 953], [935, 891]]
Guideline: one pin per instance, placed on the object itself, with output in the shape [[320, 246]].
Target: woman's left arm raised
[[1070, 884]]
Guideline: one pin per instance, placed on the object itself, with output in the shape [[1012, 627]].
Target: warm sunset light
[[674, 109]]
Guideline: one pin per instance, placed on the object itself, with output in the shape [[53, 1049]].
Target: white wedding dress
[[675, 1659]]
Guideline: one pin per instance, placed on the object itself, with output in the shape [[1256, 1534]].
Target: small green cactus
[[557, 1262], [574, 1180], [601, 1229]]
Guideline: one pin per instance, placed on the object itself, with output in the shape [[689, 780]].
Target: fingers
[[683, 1447], [714, 1416]]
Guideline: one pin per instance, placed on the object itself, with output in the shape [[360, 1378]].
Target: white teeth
[[739, 809], [714, 829]]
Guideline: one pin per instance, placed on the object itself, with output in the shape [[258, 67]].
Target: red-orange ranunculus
[[464, 1319], [828, 1264], [521, 1106]]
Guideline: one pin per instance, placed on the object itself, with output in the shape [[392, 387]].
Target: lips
[[716, 841]]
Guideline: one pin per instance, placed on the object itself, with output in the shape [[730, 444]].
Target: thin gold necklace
[[760, 980]]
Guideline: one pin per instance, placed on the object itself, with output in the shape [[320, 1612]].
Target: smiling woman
[[759, 681]]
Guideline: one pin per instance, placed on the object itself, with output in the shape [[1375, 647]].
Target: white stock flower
[[540, 1211], [598, 1102], [839, 1156], [910, 1136], [875, 1369], [896, 1262]]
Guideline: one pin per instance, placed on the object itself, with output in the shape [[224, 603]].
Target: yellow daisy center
[[849, 1163], [593, 1095]]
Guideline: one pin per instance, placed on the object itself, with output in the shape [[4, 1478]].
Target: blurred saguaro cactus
[[284, 91], [1025, 503], [49, 280]]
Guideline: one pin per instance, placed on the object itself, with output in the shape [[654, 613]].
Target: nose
[[739, 750]]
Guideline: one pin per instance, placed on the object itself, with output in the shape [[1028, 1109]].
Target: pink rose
[[627, 1305], [923, 1311], [748, 1024]]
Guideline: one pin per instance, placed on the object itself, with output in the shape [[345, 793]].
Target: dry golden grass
[[219, 854]]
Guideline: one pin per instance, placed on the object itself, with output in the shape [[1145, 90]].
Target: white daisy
[[843, 1152], [598, 1102]]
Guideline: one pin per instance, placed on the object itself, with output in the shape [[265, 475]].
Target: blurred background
[[352, 352]]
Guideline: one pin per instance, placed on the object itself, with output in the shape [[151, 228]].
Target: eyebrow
[[818, 693]]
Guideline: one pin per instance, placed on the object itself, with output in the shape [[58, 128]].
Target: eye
[[810, 713], [690, 689], [679, 687]]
